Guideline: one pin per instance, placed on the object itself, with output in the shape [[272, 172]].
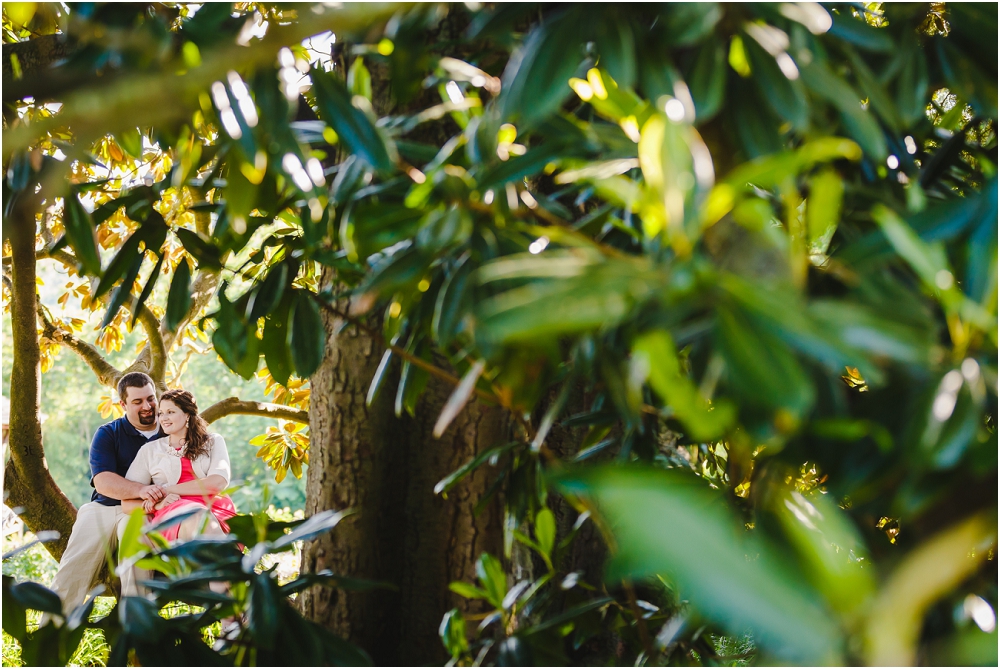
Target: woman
[[190, 464]]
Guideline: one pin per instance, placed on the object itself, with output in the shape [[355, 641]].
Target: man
[[100, 523]]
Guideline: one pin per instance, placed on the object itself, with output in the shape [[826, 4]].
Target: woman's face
[[172, 419]]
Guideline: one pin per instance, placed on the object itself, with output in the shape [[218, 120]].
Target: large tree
[[757, 242]]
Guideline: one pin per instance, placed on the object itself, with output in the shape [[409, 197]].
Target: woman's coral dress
[[222, 507]]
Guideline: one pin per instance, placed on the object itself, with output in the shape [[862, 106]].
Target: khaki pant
[[97, 530]]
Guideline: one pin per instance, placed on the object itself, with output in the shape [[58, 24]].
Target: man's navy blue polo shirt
[[114, 448]]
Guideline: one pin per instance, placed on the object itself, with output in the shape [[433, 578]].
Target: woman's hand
[[167, 501], [147, 505]]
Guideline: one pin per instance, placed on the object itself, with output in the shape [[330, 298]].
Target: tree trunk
[[385, 468], [27, 480]]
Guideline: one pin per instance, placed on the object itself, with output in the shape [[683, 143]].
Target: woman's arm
[[210, 485], [130, 505]]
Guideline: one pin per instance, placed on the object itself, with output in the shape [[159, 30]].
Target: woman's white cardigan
[[156, 463]]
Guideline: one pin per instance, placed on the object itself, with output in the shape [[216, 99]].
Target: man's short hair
[[133, 380]]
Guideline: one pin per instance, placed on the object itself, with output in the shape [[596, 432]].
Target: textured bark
[[26, 476], [234, 405], [385, 468]]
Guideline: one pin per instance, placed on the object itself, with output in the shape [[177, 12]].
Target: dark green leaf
[[204, 252], [179, 296], [140, 302], [356, 131], [80, 233], [308, 337], [535, 81]]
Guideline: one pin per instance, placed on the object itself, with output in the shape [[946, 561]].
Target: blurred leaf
[[545, 531], [655, 352], [450, 481], [834, 553], [925, 574], [648, 509], [787, 97], [826, 192], [459, 398], [493, 578], [708, 80], [856, 31], [452, 633], [352, 125], [534, 81]]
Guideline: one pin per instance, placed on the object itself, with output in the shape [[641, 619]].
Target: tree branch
[[107, 374], [154, 350], [43, 506], [234, 405]]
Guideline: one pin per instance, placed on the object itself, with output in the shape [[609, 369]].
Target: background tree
[[757, 242]]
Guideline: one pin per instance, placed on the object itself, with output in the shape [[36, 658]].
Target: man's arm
[[114, 486]]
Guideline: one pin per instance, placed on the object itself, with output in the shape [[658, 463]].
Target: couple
[[159, 456]]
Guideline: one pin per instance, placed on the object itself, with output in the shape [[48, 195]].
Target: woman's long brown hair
[[197, 438]]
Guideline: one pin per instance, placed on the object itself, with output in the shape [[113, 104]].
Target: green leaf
[[451, 303], [878, 97], [204, 252], [493, 578], [650, 509], [860, 123], [655, 352], [353, 127], [378, 380], [359, 79], [467, 590], [452, 633], [37, 597], [308, 337], [147, 289], [263, 613], [826, 192], [179, 296], [124, 289], [131, 141], [14, 614], [785, 96], [830, 547], [267, 296], [545, 531], [708, 80], [857, 31], [80, 234], [913, 81], [535, 81], [230, 336], [759, 366], [119, 264], [519, 167]]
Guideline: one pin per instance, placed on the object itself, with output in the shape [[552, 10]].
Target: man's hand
[[152, 493], [166, 501]]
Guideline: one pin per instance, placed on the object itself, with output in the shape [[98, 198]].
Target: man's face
[[140, 406]]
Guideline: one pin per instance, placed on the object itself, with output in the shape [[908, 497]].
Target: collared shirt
[[114, 448]]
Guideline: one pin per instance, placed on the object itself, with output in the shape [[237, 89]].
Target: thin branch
[[234, 405], [107, 374]]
